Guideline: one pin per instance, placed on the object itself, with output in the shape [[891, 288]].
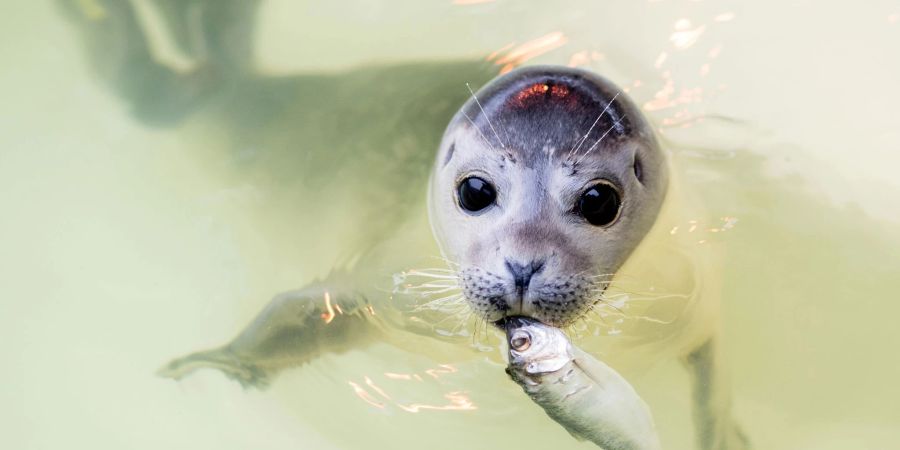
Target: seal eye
[[599, 204], [475, 194]]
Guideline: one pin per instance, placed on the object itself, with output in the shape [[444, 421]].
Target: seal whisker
[[439, 284], [483, 137], [430, 282], [602, 301], [449, 316], [449, 300], [614, 125], [637, 295], [446, 298], [612, 274], [435, 291], [462, 323], [429, 288], [445, 275], [486, 117], [580, 142]]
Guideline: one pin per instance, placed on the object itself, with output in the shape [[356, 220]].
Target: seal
[[547, 183], [548, 196], [544, 183]]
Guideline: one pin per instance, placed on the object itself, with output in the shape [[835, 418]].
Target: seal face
[[546, 180]]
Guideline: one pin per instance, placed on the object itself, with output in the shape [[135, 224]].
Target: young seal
[[545, 184], [548, 191]]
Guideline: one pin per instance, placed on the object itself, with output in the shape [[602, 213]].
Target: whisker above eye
[[483, 137], [580, 158], [581, 141], [486, 116]]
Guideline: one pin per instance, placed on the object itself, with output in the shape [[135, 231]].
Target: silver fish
[[587, 397]]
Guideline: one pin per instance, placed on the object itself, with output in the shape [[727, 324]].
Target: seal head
[[545, 182]]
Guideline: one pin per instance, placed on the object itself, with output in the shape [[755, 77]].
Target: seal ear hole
[[450, 151], [638, 170]]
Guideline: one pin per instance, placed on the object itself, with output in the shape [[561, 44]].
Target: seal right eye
[[475, 194]]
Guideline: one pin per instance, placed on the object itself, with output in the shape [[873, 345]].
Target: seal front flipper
[[292, 330], [223, 359]]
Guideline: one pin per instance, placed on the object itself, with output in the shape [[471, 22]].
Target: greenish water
[[138, 226]]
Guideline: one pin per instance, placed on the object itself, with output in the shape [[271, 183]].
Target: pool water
[[134, 231]]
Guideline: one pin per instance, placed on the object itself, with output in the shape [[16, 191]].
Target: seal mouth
[[509, 323]]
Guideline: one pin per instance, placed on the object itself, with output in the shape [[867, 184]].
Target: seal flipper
[[292, 330], [247, 374]]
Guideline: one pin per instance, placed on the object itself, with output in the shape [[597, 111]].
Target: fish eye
[[520, 341], [599, 204], [475, 194]]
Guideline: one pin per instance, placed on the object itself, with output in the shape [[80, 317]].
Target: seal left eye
[[599, 205], [475, 194]]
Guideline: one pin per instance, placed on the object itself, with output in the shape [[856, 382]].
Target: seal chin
[[505, 313], [503, 319], [554, 320]]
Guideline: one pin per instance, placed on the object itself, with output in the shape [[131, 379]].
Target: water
[[131, 235]]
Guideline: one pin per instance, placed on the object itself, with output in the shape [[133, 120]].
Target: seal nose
[[522, 274]]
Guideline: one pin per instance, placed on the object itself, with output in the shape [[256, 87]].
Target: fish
[[581, 393]]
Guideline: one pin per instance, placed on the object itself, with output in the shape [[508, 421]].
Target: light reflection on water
[[127, 244]]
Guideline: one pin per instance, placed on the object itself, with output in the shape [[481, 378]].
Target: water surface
[[132, 236]]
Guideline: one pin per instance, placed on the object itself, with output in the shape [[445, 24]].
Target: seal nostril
[[522, 273]]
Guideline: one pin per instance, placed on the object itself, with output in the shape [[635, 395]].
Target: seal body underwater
[[548, 196], [547, 184]]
